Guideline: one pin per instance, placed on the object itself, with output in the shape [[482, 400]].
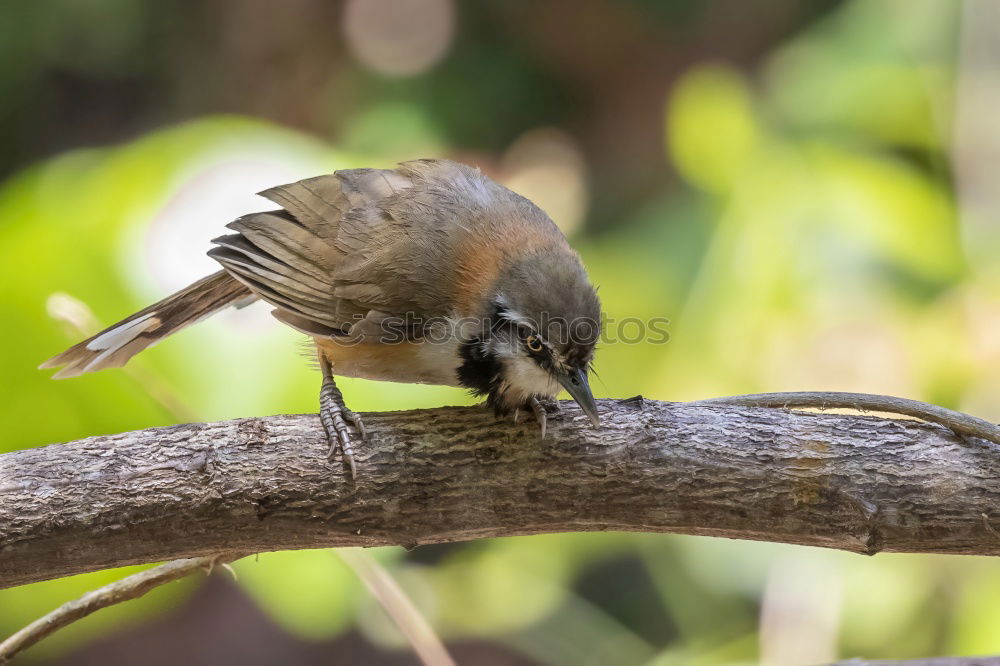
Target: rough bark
[[855, 482]]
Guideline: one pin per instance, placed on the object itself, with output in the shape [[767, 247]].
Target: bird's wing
[[353, 249], [290, 257]]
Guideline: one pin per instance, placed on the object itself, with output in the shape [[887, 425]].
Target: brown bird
[[428, 273]]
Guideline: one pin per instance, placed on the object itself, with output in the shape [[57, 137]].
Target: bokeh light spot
[[546, 165], [399, 37]]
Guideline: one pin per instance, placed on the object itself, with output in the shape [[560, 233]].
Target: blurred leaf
[[905, 217], [311, 593], [711, 130], [976, 614], [507, 586], [881, 602], [879, 71]]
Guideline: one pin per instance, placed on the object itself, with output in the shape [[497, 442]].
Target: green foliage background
[[802, 232]]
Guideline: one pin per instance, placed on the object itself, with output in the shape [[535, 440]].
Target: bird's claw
[[335, 417], [355, 420], [541, 409]]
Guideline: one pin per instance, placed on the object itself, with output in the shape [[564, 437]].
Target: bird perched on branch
[[428, 273]]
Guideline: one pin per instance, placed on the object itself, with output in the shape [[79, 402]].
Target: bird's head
[[538, 333]]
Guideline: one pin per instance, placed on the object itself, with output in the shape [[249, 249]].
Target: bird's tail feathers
[[115, 345]]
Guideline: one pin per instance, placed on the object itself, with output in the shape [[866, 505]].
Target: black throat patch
[[479, 372]]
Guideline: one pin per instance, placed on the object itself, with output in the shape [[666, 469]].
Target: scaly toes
[[338, 434], [343, 441], [355, 420], [540, 414]]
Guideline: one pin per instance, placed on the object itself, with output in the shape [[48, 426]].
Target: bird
[[428, 273]]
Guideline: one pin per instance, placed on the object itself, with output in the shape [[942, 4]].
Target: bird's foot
[[541, 408], [335, 417], [551, 405]]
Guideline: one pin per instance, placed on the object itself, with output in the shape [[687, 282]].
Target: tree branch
[[856, 482]]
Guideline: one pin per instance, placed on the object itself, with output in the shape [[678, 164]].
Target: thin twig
[[959, 422], [130, 587], [398, 605]]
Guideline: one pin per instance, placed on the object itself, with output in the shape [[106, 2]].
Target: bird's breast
[[410, 362]]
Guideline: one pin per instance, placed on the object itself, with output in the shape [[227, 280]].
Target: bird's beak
[[575, 382]]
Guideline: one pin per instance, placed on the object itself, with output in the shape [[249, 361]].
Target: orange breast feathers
[[417, 362], [480, 257]]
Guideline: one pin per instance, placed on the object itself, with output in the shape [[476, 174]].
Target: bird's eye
[[534, 343]]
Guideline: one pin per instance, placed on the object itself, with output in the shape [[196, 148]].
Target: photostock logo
[[635, 331], [556, 331]]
